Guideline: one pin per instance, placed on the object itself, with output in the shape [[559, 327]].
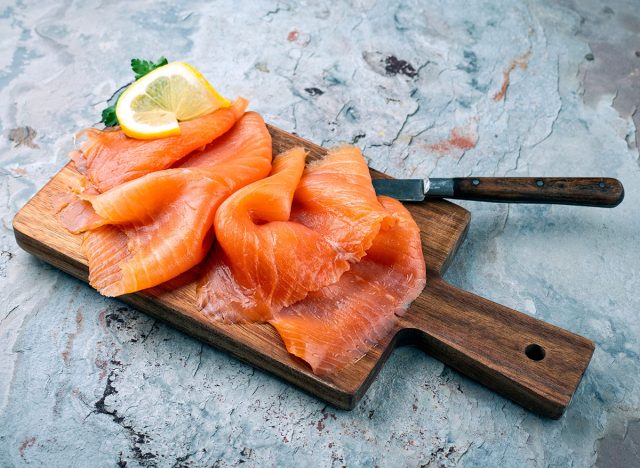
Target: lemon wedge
[[152, 106]]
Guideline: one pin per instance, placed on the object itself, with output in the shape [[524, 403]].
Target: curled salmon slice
[[291, 233], [263, 261], [109, 158], [166, 219], [336, 198], [337, 325]]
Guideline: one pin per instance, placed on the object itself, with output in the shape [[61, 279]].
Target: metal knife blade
[[413, 189], [400, 189]]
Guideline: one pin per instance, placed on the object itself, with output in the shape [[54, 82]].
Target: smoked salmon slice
[[289, 234], [263, 261], [163, 219], [338, 324], [336, 198], [248, 136], [109, 158], [151, 229]]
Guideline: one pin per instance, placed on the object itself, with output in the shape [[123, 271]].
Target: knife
[[586, 191]]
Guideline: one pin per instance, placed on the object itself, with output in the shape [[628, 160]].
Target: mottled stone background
[[440, 88]]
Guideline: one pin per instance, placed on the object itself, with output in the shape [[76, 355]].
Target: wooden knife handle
[[586, 191], [534, 363]]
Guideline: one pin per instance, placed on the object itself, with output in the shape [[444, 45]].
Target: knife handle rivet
[[539, 183], [475, 182], [601, 185]]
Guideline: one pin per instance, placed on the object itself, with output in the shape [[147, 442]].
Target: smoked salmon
[[309, 249], [148, 230], [317, 255], [163, 219], [289, 234], [109, 158], [264, 261], [248, 136], [338, 324], [336, 198]]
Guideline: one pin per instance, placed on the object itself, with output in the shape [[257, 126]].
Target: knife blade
[[586, 191]]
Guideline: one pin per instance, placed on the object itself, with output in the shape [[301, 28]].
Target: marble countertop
[[439, 88]]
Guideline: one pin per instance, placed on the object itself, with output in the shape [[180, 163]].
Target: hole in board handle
[[535, 352]]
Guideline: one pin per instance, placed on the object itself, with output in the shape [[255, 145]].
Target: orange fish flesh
[[338, 324], [109, 158], [151, 229], [291, 233]]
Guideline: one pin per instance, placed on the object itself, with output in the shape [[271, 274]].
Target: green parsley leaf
[[142, 67], [109, 118]]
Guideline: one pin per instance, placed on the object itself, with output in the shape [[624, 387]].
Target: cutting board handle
[[534, 363]]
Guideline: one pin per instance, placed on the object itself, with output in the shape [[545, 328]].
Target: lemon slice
[[152, 106]]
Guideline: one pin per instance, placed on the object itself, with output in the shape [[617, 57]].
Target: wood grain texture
[[586, 191], [481, 339]]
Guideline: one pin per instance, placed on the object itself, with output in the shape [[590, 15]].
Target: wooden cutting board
[[535, 364]]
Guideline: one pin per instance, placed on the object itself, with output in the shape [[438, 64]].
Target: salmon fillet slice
[[108, 158], [263, 261], [151, 229], [336, 198], [248, 136], [166, 219], [294, 232], [337, 325]]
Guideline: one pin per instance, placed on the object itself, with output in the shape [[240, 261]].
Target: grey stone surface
[[86, 381]]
